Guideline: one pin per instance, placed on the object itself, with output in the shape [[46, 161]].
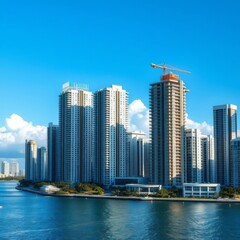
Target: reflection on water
[[30, 216]]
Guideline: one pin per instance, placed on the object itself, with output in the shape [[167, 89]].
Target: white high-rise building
[[193, 157], [235, 166], [208, 160], [31, 160], [76, 128], [14, 169], [111, 118], [5, 168], [167, 126], [225, 130], [135, 160], [42, 164]]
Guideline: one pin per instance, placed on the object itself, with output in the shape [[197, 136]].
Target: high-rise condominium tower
[[193, 158], [53, 153], [167, 123], [31, 160], [76, 133], [42, 165], [14, 169], [111, 118], [235, 159], [5, 168], [225, 129], [135, 159], [208, 160]]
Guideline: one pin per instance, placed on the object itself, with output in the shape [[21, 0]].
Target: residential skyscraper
[[225, 129], [135, 159], [235, 166], [14, 169], [53, 153], [167, 125], [193, 157], [111, 118], [31, 160], [76, 128], [147, 158], [5, 168], [208, 160], [42, 165]]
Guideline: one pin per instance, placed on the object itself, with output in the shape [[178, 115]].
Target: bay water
[[26, 215]]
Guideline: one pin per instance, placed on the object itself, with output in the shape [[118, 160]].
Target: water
[[31, 216]]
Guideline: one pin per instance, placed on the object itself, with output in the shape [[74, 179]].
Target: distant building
[[208, 159], [5, 168], [42, 164], [111, 121], [54, 167], [31, 160], [147, 158], [193, 157], [76, 128], [225, 130], [167, 126], [14, 169], [136, 156], [235, 163]]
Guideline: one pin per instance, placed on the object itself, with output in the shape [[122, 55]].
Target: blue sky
[[46, 43]]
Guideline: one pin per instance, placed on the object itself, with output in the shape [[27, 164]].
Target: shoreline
[[151, 199]]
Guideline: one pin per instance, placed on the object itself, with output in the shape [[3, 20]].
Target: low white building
[[200, 189], [49, 189], [144, 188]]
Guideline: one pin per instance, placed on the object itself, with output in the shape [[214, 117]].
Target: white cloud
[[16, 130], [205, 128], [138, 117]]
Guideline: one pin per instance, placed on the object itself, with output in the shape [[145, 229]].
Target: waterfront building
[[111, 118], [53, 153], [42, 165], [193, 157], [167, 125], [14, 169], [201, 190], [135, 153], [208, 160], [225, 129], [31, 160], [5, 168], [76, 128], [235, 166], [146, 189]]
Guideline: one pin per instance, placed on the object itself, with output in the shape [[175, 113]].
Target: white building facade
[[14, 169], [207, 190], [111, 124], [5, 168], [193, 157], [76, 128], [208, 159]]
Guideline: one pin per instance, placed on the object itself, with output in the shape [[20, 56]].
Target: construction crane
[[165, 68]]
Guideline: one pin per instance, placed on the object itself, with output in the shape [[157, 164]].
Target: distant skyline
[[45, 44]]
